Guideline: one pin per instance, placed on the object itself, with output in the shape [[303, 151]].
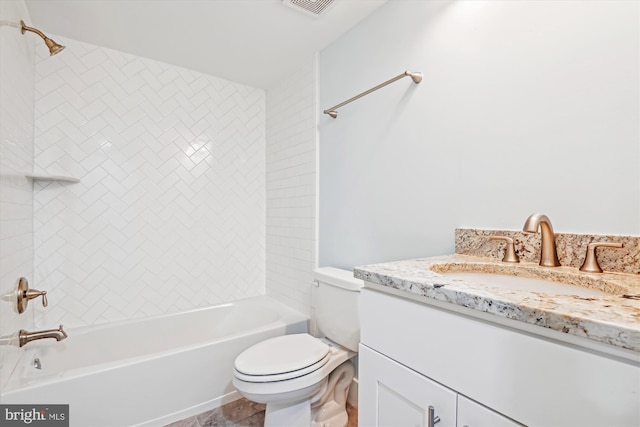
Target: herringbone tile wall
[[291, 187], [170, 211], [16, 160]]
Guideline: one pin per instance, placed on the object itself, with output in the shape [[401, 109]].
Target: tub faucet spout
[[548, 252], [26, 336]]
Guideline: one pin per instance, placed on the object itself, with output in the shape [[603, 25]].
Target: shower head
[[53, 46]]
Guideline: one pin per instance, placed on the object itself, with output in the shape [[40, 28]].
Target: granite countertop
[[611, 319]]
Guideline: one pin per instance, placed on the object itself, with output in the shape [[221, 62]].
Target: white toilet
[[303, 380]]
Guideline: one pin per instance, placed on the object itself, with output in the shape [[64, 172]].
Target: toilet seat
[[297, 386], [284, 375], [281, 358]]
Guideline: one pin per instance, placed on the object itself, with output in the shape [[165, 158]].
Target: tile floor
[[241, 413]]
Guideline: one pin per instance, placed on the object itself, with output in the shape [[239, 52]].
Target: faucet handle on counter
[[590, 264], [510, 254]]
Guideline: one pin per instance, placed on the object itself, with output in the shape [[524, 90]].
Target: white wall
[[17, 64], [170, 211], [525, 106], [291, 187]]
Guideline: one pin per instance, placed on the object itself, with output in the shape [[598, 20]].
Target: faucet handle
[[590, 264], [25, 294], [510, 254], [34, 293]]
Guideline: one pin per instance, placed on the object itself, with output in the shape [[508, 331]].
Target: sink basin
[[524, 284], [533, 278]]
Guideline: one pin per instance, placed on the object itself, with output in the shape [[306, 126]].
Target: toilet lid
[[281, 354]]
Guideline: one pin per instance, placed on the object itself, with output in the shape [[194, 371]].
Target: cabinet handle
[[432, 419]]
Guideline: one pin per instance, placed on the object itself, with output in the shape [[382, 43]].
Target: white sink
[[524, 284]]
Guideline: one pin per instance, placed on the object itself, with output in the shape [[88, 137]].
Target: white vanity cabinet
[[472, 414], [477, 373], [392, 395]]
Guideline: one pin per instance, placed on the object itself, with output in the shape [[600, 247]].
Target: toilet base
[[326, 408], [330, 410], [293, 415], [333, 415]]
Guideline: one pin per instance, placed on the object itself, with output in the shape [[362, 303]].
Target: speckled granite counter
[[610, 319]]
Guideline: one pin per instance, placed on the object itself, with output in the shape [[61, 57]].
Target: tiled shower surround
[[170, 211], [16, 159], [291, 188]]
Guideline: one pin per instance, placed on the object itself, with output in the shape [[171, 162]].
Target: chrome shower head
[[53, 46]]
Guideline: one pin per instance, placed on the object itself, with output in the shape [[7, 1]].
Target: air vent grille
[[310, 7]]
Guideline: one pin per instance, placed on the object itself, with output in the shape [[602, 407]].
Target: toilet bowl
[[291, 374], [303, 380]]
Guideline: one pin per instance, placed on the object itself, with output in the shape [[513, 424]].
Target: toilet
[[304, 379]]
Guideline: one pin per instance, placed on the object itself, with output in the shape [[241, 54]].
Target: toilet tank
[[334, 303]]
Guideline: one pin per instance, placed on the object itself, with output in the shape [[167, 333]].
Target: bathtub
[[148, 372]]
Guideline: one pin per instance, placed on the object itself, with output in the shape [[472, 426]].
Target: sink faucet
[[548, 252], [26, 336]]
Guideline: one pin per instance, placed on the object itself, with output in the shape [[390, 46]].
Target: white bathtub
[[148, 372]]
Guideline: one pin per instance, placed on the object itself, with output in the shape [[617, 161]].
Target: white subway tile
[[291, 186]]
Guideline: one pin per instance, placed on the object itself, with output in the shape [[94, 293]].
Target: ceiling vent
[[309, 7]]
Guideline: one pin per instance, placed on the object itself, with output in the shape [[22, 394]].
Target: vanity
[[441, 348]]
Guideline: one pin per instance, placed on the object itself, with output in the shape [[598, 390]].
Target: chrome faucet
[[548, 252], [26, 336]]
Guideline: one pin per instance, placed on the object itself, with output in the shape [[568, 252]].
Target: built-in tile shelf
[[56, 178]]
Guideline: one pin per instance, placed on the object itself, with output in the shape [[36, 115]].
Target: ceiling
[[254, 42]]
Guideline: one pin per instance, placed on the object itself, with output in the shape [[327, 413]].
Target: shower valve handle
[[34, 293], [25, 294]]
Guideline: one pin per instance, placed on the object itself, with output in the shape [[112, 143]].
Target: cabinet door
[[472, 414], [392, 395]]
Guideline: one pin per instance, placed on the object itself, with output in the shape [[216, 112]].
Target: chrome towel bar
[[416, 76]]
